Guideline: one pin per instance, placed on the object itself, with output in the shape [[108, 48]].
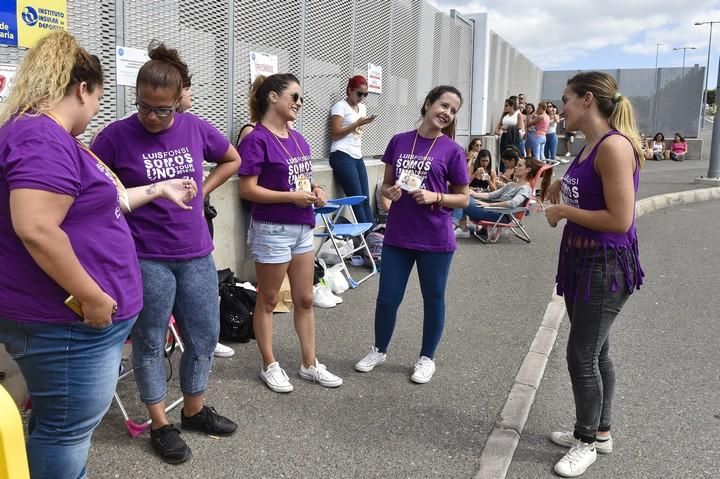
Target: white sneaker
[[222, 351], [567, 153], [424, 370], [459, 233], [567, 439], [328, 292], [321, 299], [576, 461], [371, 359], [276, 378], [318, 373]]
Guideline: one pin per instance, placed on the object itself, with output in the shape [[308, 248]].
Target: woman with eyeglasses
[[178, 271], [348, 118], [425, 178], [276, 175], [599, 264], [63, 232]]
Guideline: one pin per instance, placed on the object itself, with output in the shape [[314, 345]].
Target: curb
[[498, 452]]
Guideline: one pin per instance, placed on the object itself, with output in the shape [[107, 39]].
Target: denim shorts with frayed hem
[[275, 243]]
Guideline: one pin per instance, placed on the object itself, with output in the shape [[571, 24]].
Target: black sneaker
[[170, 447], [209, 422]]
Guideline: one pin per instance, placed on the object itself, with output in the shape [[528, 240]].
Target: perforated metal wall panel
[[371, 44], [199, 31], [273, 27], [673, 95], [93, 25]]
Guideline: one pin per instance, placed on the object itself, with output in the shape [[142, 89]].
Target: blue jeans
[[352, 175], [187, 289], [538, 146], [433, 268], [71, 372], [551, 146], [476, 213]]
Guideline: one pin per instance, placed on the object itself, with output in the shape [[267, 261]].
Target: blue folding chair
[[352, 231]]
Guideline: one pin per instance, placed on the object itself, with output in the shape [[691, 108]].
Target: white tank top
[[510, 120]]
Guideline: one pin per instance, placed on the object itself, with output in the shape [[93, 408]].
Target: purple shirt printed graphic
[[161, 229], [36, 153], [424, 227], [281, 164]]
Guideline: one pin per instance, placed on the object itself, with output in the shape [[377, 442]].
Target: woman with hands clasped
[[598, 265], [276, 175], [63, 232], [425, 177]]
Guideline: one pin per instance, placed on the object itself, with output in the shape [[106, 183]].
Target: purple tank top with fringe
[[583, 188]]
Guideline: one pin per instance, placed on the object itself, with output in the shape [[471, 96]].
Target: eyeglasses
[[296, 98], [361, 93], [161, 112]]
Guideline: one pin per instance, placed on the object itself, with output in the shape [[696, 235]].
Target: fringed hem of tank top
[[574, 282]]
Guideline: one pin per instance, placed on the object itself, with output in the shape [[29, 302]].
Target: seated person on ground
[[678, 148], [482, 176], [510, 195], [657, 146]]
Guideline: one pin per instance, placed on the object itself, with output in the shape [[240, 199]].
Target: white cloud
[[556, 32]]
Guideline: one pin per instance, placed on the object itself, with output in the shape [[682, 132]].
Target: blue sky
[[568, 35]]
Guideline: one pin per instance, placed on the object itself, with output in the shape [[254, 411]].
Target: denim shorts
[[275, 243]]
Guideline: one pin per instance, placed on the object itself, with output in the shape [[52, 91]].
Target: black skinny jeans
[[592, 372]]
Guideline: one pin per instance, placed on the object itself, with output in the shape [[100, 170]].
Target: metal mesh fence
[[323, 42], [667, 100]]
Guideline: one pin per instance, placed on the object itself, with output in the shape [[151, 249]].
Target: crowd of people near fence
[[97, 248]]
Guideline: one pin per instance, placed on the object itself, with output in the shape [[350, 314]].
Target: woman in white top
[[511, 119], [551, 135], [347, 120], [658, 147]]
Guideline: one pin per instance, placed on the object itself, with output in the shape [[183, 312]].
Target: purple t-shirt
[[36, 153], [278, 168], [424, 227], [161, 229]]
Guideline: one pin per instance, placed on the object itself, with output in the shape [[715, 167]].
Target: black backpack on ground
[[237, 305]]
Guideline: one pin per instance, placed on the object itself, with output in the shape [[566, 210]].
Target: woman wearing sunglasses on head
[[276, 175], [178, 271], [63, 232], [348, 118]]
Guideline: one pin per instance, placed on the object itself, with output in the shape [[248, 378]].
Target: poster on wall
[[262, 64], [374, 78], [7, 78], [127, 63], [24, 22]]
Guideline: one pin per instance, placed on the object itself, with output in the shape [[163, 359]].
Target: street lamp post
[[657, 91], [684, 49], [707, 70]]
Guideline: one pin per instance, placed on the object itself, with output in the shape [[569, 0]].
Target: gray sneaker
[[567, 439], [371, 359]]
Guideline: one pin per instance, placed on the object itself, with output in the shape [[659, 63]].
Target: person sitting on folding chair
[[511, 195], [178, 270], [425, 176], [276, 175]]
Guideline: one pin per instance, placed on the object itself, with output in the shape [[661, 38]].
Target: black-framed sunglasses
[[361, 93], [296, 98], [161, 112]]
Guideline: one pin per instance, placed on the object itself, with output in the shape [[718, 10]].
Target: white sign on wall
[[374, 78], [128, 62], [7, 78], [262, 64]]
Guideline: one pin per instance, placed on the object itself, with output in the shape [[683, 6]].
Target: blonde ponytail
[[48, 71], [623, 120]]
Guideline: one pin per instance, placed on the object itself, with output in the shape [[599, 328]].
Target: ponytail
[[623, 120], [49, 71], [261, 88]]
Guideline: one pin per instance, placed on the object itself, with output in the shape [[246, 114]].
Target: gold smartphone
[[73, 304]]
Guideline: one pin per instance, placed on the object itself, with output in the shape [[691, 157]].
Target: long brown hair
[[614, 106], [433, 95], [261, 88]]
